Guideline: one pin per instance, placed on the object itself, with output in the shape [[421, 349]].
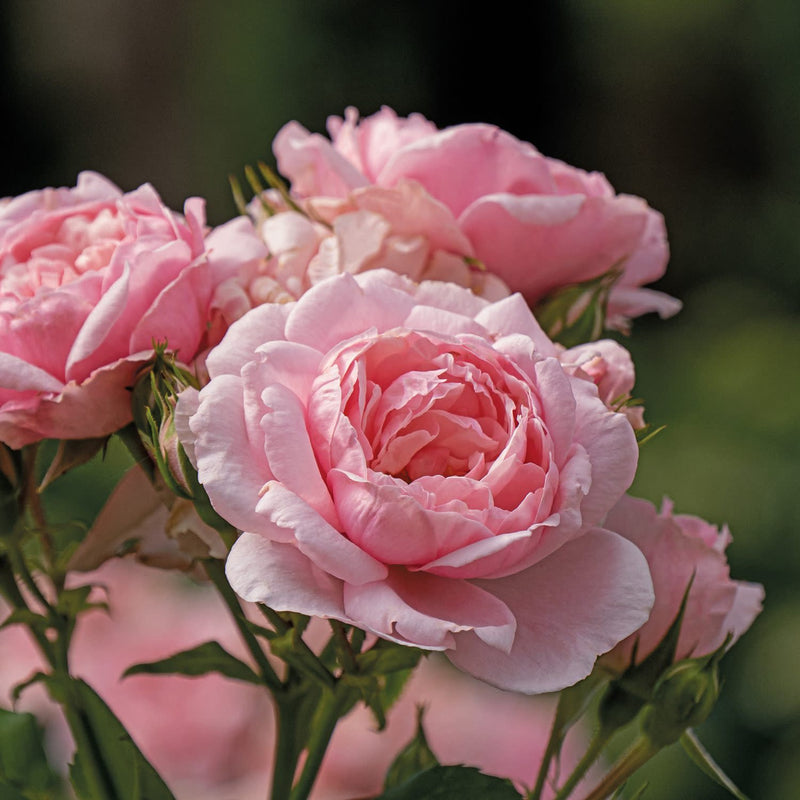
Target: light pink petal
[[462, 163], [281, 577], [613, 452], [571, 607], [190, 292], [19, 375], [387, 522], [323, 544], [340, 307], [450, 297], [229, 463], [98, 406], [537, 244], [98, 324], [231, 246], [288, 450], [625, 302], [312, 164], [511, 316], [426, 610], [262, 324]]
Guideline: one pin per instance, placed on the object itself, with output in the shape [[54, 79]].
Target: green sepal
[[698, 753], [414, 758], [200, 660], [129, 773], [385, 657], [629, 693], [576, 314], [288, 647], [23, 763], [452, 783]]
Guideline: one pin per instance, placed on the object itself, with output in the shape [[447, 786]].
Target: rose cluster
[[398, 442]]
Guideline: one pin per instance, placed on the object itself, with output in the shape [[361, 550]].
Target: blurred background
[[693, 106]]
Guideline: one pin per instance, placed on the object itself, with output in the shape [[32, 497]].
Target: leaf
[[71, 453], [695, 750], [414, 758], [130, 773], [23, 763], [452, 783], [200, 660]]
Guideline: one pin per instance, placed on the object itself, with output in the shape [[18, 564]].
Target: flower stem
[[216, 572], [330, 710], [553, 747], [286, 751], [640, 752], [596, 745]]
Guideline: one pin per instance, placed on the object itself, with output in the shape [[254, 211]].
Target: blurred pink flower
[[199, 733], [438, 489], [536, 223], [678, 546], [89, 279]]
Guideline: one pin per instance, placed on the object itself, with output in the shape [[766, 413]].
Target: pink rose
[[89, 278], [535, 222], [678, 546], [415, 460], [401, 228]]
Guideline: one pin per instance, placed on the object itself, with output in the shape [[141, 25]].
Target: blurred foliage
[[694, 106]]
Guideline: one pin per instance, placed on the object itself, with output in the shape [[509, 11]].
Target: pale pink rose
[[401, 228], [200, 733], [678, 546], [415, 460], [535, 222], [89, 278]]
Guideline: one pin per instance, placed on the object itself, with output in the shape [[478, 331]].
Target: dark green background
[[693, 105]]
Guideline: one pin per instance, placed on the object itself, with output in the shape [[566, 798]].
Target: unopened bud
[[683, 698]]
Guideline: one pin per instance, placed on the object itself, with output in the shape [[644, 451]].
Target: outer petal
[[462, 163], [571, 607], [538, 243], [280, 576], [312, 164], [426, 610]]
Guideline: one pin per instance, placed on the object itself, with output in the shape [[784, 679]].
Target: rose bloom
[[401, 228], [416, 461], [89, 279], [535, 222], [678, 546]]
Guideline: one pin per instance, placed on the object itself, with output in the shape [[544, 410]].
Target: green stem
[[95, 772], [554, 743], [329, 711], [640, 752], [596, 745], [286, 751], [216, 572]]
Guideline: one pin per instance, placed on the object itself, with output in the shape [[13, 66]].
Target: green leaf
[[453, 783], [94, 724], [414, 758], [200, 660], [71, 453], [23, 763], [694, 748]]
